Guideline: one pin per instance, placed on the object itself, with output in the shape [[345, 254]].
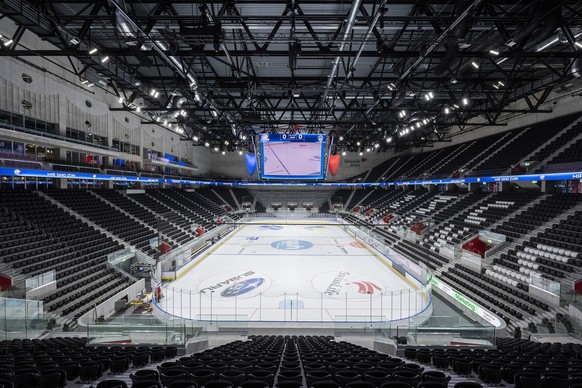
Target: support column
[[473, 187], [61, 184]]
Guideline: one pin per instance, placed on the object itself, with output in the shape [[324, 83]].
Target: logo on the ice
[[242, 287], [291, 245], [365, 287], [270, 227], [349, 284]]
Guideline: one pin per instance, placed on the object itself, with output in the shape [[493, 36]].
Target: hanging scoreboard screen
[[292, 156]]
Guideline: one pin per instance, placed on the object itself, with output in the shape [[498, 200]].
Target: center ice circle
[[291, 245]]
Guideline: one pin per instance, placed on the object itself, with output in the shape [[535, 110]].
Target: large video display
[[292, 156]]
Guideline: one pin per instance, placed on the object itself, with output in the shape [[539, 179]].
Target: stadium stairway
[[166, 226], [130, 215]]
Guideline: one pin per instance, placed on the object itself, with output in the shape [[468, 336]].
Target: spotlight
[[493, 52], [240, 152], [207, 144], [343, 153], [388, 140], [153, 92], [341, 138], [195, 138], [104, 59], [361, 153], [93, 51], [138, 109], [447, 111], [223, 152], [358, 144], [465, 101], [475, 64], [120, 100]]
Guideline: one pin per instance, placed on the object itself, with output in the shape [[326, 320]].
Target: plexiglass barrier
[[438, 331], [331, 306], [246, 299], [21, 318], [40, 280], [143, 329]]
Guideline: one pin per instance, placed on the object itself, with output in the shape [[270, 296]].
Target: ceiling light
[[165, 122], [216, 149], [341, 138], [343, 153], [195, 138], [454, 81], [578, 44], [493, 52], [361, 153], [226, 142], [496, 87], [138, 109], [388, 140], [137, 83], [376, 145], [501, 83], [120, 100], [510, 43], [223, 152], [358, 143], [104, 59], [447, 111], [85, 82], [214, 113], [153, 92], [418, 124], [368, 149], [456, 106], [240, 152], [93, 51], [465, 101], [156, 94], [548, 44], [207, 144], [90, 85], [475, 64]]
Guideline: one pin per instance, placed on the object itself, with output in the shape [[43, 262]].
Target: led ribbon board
[[292, 156]]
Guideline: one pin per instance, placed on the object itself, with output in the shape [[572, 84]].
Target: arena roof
[[402, 73]]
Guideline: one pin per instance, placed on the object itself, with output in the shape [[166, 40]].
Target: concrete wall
[[57, 95]]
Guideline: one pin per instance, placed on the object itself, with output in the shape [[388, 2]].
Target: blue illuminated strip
[[15, 172]]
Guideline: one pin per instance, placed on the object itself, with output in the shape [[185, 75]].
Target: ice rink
[[289, 273]]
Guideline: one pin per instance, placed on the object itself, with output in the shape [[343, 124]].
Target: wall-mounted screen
[[292, 156]]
